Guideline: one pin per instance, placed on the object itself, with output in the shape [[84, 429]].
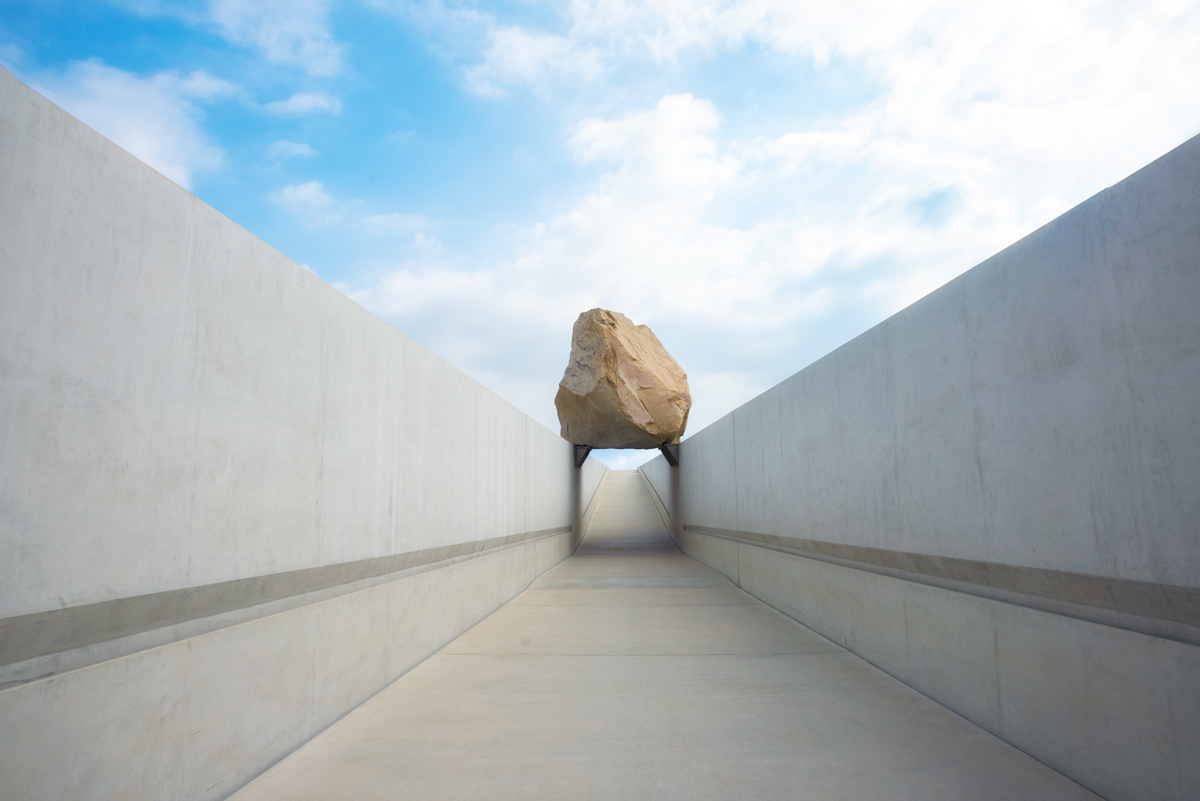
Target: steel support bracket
[[581, 455], [670, 452]]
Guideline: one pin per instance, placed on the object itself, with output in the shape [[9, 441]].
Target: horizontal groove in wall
[[1159, 610], [45, 633]]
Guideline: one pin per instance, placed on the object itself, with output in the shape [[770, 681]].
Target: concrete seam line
[[1177, 627], [55, 631]]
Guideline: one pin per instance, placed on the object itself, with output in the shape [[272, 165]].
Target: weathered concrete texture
[[1041, 410], [650, 692], [1037, 420], [591, 478], [233, 504], [662, 481], [181, 405], [621, 388], [47, 643], [1117, 710], [199, 717]]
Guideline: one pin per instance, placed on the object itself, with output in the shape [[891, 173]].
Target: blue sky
[[758, 181]]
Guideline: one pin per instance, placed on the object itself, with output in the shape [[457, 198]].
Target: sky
[[759, 181]]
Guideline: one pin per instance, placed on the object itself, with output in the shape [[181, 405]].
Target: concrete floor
[[632, 671]]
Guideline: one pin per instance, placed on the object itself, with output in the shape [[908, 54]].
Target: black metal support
[[671, 452], [581, 455]]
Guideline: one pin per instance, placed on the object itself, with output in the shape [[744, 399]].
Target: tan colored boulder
[[621, 389]]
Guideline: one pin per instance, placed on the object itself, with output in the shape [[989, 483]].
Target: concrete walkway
[[631, 671]]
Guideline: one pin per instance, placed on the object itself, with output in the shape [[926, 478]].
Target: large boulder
[[621, 389]]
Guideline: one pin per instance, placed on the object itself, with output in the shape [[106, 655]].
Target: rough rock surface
[[621, 389]]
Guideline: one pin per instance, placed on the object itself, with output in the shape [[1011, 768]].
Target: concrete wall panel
[[233, 503], [658, 473], [964, 494], [1115, 710], [543, 554], [709, 492], [1041, 410], [551, 478], [181, 405], [721, 555], [200, 717], [591, 475]]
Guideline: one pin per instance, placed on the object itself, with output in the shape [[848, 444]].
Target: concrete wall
[[995, 494], [233, 504], [591, 482], [663, 483]]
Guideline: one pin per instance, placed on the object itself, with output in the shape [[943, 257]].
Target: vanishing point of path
[[632, 671]]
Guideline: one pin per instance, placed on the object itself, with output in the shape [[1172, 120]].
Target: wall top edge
[[16, 89], [1188, 149]]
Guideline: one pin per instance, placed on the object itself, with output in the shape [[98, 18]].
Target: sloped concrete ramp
[[632, 671]]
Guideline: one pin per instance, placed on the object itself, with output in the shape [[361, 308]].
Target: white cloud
[[294, 32], [302, 104], [666, 154], [303, 197], [1017, 74], [396, 222], [634, 244], [753, 256], [283, 149], [310, 201], [516, 56], [155, 118], [285, 31]]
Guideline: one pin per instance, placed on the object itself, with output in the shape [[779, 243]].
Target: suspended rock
[[621, 388]]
